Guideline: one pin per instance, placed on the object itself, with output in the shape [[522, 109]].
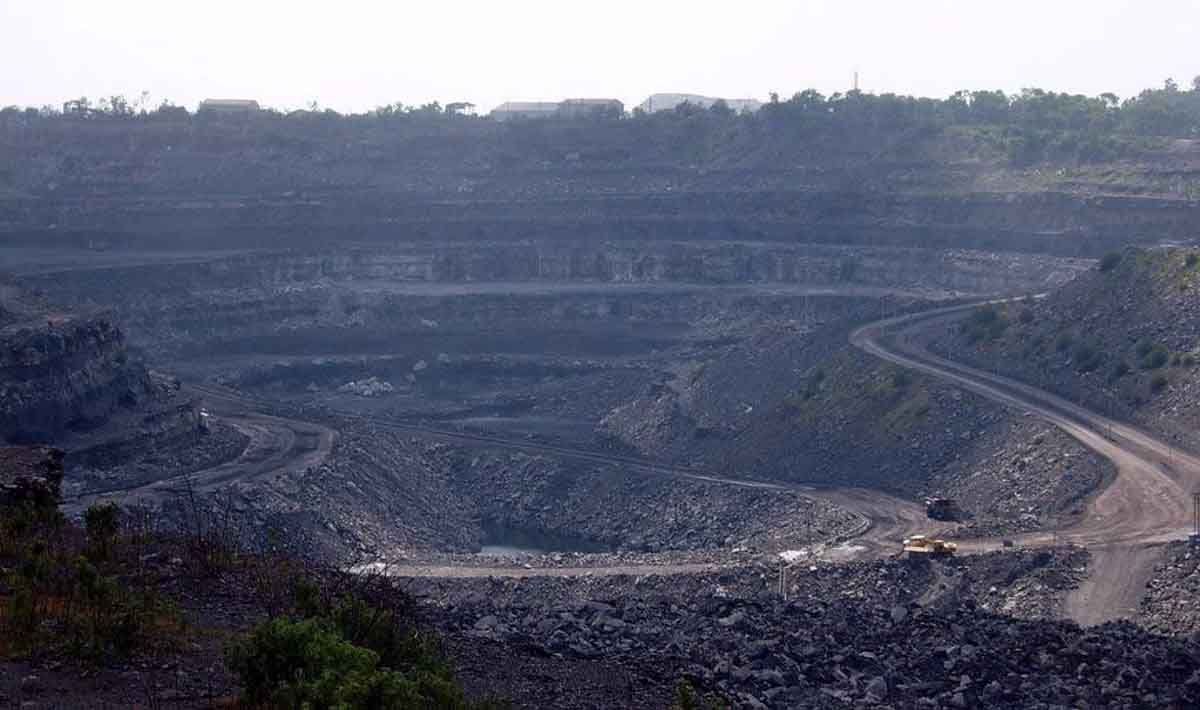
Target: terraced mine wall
[[1058, 223], [608, 261]]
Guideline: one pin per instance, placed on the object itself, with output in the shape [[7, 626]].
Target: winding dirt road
[[276, 446], [886, 519], [1146, 504]]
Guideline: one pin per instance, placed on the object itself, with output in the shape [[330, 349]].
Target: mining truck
[[924, 545], [938, 508]]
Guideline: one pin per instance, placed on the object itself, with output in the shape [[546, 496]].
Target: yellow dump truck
[[924, 545]]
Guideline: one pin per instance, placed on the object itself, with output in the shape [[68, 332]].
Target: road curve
[[276, 445], [1146, 503], [886, 519]]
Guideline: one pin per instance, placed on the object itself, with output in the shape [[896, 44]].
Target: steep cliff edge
[[60, 371]]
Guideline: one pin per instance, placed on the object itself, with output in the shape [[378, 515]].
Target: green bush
[[310, 664], [686, 698], [1110, 260], [1158, 383], [1192, 260]]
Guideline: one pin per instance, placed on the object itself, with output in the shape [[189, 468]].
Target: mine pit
[[504, 541], [524, 346]]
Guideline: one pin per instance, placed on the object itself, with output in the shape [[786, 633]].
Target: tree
[[1196, 84], [78, 107]]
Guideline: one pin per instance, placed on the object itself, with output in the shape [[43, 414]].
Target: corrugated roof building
[[589, 107], [510, 110], [230, 105], [669, 102]]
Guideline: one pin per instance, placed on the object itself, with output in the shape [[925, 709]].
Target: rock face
[[417, 290], [30, 474], [62, 372]]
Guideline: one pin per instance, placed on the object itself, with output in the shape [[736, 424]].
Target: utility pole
[[1196, 517]]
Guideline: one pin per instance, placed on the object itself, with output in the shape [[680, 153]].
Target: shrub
[[1156, 358], [686, 698], [1158, 383], [62, 592], [102, 522], [1026, 316], [309, 663], [1119, 370], [1110, 260], [1087, 357], [1064, 342], [986, 323], [1192, 260], [286, 663], [901, 379]]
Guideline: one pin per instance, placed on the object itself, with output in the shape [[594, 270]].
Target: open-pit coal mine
[[617, 430]]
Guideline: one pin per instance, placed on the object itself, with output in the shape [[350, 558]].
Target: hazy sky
[[357, 54]]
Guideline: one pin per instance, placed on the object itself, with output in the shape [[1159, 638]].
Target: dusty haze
[[357, 54]]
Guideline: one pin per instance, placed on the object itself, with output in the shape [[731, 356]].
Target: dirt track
[[886, 519], [277, 445], [1148, 501]]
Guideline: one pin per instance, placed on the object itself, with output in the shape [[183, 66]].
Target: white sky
[[357, 54]]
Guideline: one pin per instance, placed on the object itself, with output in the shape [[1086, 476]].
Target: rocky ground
[[899, 633], [1023, 475], [641, 511], [1170, 605], [390, 494], [812, 409], [1121, 338], [151, 455]]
